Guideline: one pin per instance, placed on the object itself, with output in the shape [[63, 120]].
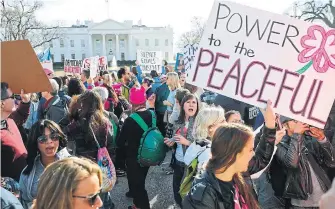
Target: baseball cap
[[284, 119]]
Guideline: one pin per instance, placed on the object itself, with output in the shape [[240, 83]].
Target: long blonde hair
[[60, 180], [206, 118], [173, 76]]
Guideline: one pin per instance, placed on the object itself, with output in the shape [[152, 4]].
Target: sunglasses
[[44, 138], [13, 96], [91, 199]]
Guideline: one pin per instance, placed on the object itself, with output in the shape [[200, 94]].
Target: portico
[[106, 44]]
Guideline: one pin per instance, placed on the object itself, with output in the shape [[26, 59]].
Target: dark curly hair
[[75, 87]]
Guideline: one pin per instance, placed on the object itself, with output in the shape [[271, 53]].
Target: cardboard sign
[[150, 60], [72, 66], [254, 56], [27, 72], [189, 55]]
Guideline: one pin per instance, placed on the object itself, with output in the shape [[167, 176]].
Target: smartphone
[[280, 126], [172, 139]]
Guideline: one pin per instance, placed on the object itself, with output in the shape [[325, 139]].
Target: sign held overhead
[[253, 55]]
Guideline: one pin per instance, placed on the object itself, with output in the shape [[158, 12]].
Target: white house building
[[111, 38]]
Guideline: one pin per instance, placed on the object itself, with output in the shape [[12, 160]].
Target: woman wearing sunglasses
[[46, 144], [71, 183]]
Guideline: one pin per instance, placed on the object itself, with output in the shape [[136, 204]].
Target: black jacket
[[206, 192], [293, 156]]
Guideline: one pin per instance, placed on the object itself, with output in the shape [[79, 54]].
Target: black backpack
[[57, 110]]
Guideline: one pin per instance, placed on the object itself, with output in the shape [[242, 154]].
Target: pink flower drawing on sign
[[319, 49]]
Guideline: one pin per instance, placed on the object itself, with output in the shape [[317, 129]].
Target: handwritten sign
[[253, 55], [150, 60], [189, 55], [91, 64], [100, 64], [72, 66]]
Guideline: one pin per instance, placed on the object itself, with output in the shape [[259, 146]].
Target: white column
[[90, 47], [103, 45], [130, 44], [117, 53]]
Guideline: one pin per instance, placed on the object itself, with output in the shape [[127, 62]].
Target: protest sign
[[95, 64], [72, 66], [189, 55], [48, 65], [150, 60], [91, 64], [179, 62], [254, 56], [21, 69]]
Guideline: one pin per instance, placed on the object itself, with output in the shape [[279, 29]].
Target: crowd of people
[[225, 154]]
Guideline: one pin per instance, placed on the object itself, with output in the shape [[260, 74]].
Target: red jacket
[[13, 151]]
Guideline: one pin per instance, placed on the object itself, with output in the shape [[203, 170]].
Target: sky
[[176, 13]]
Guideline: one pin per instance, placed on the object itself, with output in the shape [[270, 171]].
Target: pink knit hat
[[48, 71], [137, 95]]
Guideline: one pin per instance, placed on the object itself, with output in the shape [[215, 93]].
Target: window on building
[[166, 42], [156, 42], [73, 56], [61, 43], [166, 56], [122, 43], [83, 56], [82, 43], [137, 42], [122, 56], [62, 58], [51, 44], [97, 44], [110, 43], [146, 42], [72, 43], [52, 58]]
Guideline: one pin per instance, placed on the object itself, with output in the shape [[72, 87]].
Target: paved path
[[158, 186]]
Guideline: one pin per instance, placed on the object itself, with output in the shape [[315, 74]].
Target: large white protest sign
[[95, 64], [253, 55], [150, 60]]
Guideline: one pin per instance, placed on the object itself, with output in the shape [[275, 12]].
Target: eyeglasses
[[13, 96], [238, 121], [91, 199], [44, 138]]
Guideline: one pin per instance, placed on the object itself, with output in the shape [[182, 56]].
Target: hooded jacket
[[29, 183]]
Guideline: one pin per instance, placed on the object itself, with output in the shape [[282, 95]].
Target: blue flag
[[45, 55]]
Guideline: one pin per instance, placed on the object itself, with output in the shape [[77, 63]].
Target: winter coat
[[294, 156]]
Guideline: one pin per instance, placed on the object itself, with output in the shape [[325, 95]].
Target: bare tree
[[18, 22], [312, 10], [194, 35]]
